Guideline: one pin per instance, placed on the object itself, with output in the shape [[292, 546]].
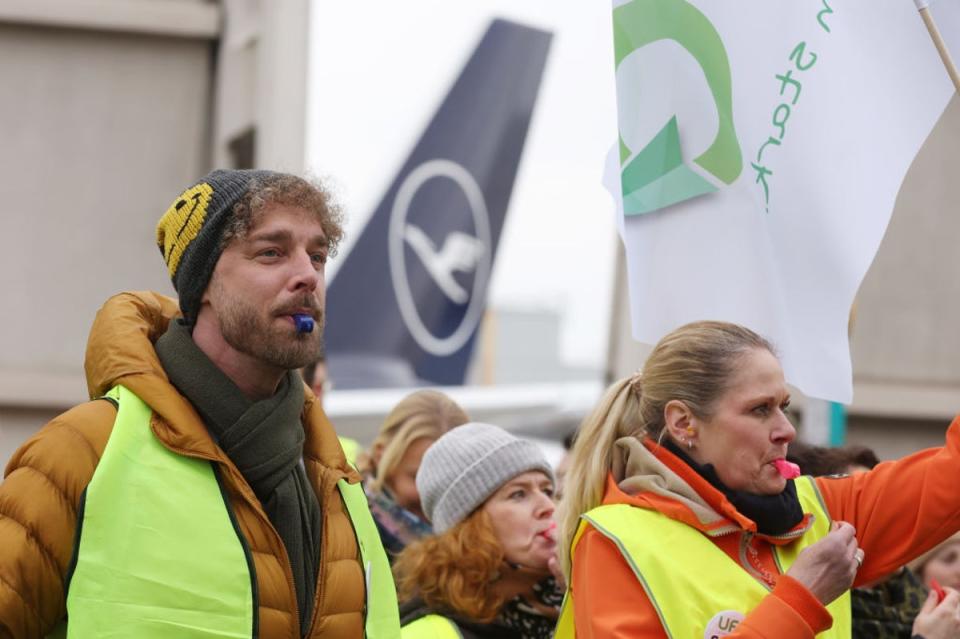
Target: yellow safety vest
[[431, 627], [689, 580], [351, 450], [160, 554]]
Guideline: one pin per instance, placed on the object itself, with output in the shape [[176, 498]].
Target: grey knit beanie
[[189, 233], [467, 465]]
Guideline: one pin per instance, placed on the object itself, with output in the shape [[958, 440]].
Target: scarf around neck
[[398, 527], [264, 439], [529, 622], [773, 514]]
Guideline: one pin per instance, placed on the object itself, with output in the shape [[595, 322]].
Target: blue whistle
[[304, 323]]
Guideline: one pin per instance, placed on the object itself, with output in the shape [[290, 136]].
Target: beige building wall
[[905, 343], [110, 108], [906, 346]]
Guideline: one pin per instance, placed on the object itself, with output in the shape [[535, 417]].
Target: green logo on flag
[[656, 176]]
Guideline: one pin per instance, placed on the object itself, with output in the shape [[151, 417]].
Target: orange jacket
[[46, 476], [899, 509]]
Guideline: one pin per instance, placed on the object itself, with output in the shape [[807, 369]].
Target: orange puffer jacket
[[46, 476]]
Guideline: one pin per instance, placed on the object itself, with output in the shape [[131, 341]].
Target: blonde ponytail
[[617, 415]]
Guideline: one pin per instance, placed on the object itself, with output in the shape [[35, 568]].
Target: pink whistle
[[937, 588], [550, 532], [787, 470]]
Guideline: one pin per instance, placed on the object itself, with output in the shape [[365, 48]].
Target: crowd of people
[[202, 492]]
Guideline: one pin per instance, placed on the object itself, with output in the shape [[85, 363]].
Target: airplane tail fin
[[405, 306]]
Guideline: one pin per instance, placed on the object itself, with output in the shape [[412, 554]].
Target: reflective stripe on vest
[[159, 556], [382, 617], [431, 627], [687, 578]]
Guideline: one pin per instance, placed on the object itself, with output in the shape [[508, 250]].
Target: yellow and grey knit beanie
[[468, 464], [189, 233]]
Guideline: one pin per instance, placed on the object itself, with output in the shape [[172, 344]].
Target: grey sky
[[378, 72]]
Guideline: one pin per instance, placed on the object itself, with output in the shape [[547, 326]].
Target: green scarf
[[264, 440]]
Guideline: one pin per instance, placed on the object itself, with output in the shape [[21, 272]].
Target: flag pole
[[924, 7]]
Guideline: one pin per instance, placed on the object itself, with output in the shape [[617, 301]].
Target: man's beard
[[247, 332]]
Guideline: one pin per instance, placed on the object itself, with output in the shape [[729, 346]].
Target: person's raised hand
[[828, 567], [939, 620], [554, 566]]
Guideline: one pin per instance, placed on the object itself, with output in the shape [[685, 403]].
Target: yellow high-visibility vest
[[159, 554], [689, 580], [351, 450], [431, 627]]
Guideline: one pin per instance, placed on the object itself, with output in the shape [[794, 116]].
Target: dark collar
[[774, 514]]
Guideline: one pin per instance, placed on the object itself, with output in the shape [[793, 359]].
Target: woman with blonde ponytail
[[682, 518], [592, 457]]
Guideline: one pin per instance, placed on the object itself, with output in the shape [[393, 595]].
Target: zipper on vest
[[757, 572], [254, 589], [794, 534], [726, 530]]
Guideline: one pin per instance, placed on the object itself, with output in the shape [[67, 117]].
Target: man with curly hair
[[202, 492]]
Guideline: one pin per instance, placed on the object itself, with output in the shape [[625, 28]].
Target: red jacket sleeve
[[901, 508], [610, 603]]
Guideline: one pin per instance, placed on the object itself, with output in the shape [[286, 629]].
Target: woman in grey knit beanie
[[486, 571]]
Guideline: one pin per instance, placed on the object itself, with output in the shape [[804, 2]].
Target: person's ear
[[205, 296], [376, 454], [679, 423]]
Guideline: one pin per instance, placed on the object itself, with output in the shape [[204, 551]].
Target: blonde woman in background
[[390, 467]]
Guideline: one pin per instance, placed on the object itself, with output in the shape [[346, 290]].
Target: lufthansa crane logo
[[458, 252]]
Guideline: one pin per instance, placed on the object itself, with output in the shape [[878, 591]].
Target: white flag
[[762, 146]]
